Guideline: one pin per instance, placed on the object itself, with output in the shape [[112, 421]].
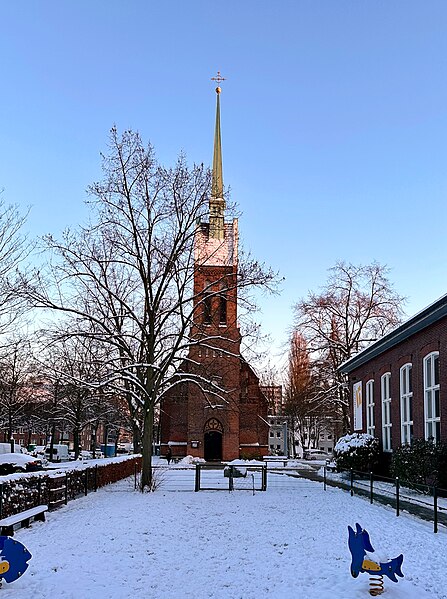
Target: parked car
[[19, 462], [6, 448], [60, 453], [315, 454]]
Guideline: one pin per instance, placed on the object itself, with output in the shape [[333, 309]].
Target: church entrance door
[[213, 446]]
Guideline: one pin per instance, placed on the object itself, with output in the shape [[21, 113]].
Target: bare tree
[[299, 388], [16, 367], [356, 306], [14, 249], [127, 278]]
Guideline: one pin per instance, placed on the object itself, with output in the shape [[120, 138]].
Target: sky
[[287, 542], [333, 114]]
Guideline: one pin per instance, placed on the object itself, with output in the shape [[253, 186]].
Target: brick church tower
[[226, 417]]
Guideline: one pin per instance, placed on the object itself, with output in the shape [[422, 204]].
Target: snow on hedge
[[348, 442]]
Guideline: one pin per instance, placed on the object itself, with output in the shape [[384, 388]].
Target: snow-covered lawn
[[289, 542]]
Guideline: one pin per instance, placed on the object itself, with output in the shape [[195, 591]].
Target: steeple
[[217, 185], [217, 202]]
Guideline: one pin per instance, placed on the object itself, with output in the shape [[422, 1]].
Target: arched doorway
[[213, 433]]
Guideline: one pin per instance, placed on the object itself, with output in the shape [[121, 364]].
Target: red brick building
[[398, 383], [226, 417]]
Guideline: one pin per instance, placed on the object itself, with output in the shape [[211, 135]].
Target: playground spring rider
[[14, 558], [359, 544]]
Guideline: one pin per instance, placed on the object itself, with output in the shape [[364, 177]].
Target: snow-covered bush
[[358, 451], [423, 462], [189, 459]]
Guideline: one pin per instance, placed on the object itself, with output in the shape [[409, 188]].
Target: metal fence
[[222, 477], [425, 501], [210, 477]]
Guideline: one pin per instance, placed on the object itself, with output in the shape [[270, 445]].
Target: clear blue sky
[[334, 122]]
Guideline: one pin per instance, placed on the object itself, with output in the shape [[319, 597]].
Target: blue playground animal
[[359, 544], [14, 558]]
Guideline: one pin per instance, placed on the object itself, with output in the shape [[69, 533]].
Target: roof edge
[[421, 320]]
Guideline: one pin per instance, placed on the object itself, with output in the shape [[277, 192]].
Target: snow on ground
[[288, 542]]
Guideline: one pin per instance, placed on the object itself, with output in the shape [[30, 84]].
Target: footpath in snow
[[288, 542]]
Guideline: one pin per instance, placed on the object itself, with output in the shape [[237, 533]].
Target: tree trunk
[[106, 439], [10, 427], [136, 438], [53, 434], [148, 431], [76, 442], [93, 439]]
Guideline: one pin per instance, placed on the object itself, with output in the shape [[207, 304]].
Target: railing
[[210, 477], [425, 501]]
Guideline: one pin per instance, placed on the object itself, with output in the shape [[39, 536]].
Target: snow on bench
[[22, 518], [276, 459]]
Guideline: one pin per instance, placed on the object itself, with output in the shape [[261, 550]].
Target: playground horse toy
[[359, 544], [14, 558]]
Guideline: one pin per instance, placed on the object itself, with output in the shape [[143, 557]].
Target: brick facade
[[229, 421], [410, 343]]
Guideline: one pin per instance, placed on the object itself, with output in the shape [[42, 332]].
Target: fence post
[[197, 481], [39, 491], [96, 478], [435, 509], [135, 475], [371, 487], [352, 482], [397, 496], [86, 482], [1, 500], [264, 477], [66, 488], [324, 477], [230, 479]]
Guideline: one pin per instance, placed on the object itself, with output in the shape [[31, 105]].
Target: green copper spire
[[217, 184], [217, 202]]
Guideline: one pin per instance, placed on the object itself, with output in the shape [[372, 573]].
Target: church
[[229, 419]]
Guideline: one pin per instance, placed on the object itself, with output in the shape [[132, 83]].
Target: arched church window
[[223, 305], [207, 303], [213, 425]]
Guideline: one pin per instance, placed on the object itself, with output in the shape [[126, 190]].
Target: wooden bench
[[23, 518], [270, 459]]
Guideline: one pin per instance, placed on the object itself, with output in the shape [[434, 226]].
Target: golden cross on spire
[[218, 80]]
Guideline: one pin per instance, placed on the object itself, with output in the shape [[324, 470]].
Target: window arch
[[385, 387], [370, 420], [432, 414], [406, 404], [207, 308], [223, 305], [213, 425]]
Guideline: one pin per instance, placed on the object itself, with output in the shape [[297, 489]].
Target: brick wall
[[412, 350]]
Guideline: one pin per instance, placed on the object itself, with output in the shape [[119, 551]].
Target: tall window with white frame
[[370, 421], [432, 412], [406, 404], [386, 411]]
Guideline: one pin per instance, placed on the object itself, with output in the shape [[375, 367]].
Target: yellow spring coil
[[376, 586]]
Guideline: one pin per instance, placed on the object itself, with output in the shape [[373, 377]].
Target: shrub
[[358, 451], [421, 463]]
